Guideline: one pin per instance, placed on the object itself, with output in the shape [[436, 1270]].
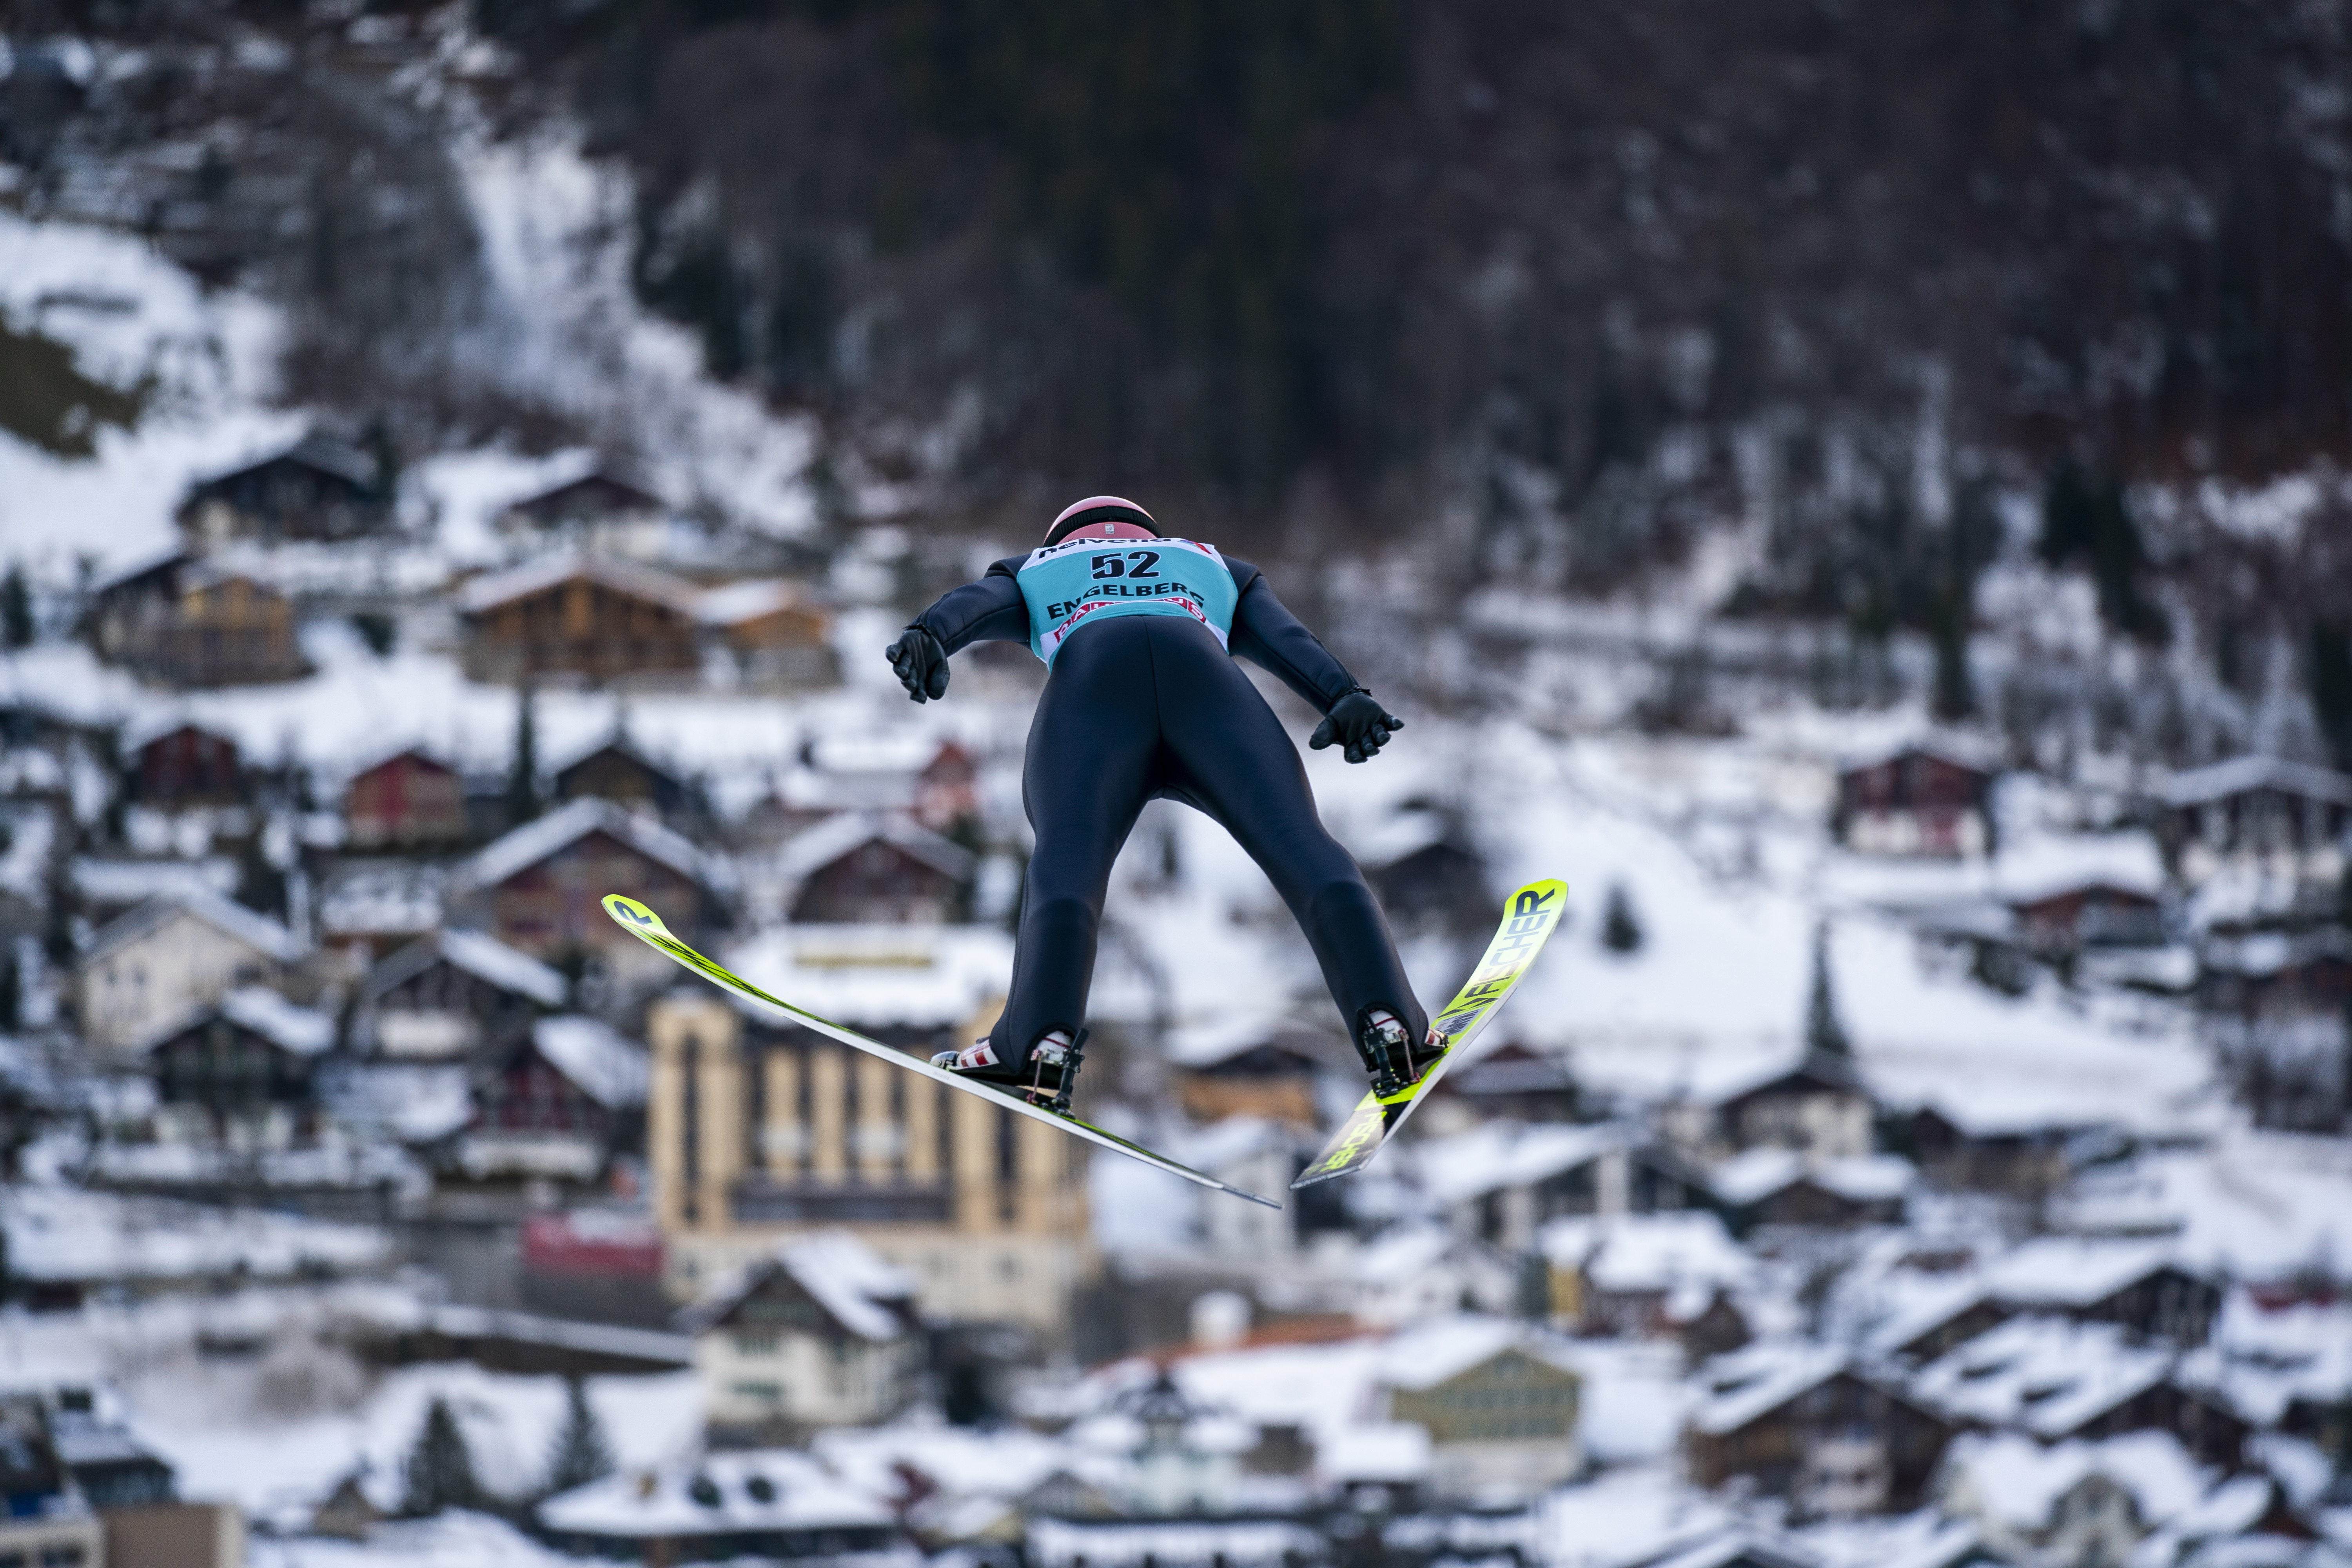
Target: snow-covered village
[[460, 461]]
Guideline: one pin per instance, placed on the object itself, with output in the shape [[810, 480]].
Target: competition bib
[[1079, 581]]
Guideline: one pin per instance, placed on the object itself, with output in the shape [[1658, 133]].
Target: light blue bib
[[1081, 581]]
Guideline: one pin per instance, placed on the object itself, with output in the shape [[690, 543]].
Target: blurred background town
[[1854, 488]]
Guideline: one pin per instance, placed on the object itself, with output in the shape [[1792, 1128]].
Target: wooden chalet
[[1429, 879], [601, 496], [1918, 801], [2263, 813], [169, 958], [451, 995], [241, 1074], [1817, 1106], [541, 887], [184, 766], [408, 801], [776, 632], [178, 622], [820, 1333], [581, 618], [1779, 1187], [318, 488], [1258, 1071], [619, 770], [1499, 1403], [884, 870], [1516, 1082], [2090, 915], [2018, 1158], [1811, 1426], [947, 790], [558, 1103]]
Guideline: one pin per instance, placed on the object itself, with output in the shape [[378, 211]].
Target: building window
[[759, 1393], [754, 1342]]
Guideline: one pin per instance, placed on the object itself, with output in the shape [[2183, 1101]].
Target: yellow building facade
[[755, 1135]]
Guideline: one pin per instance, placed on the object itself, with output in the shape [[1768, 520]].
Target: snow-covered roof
[[1639, 1252], [800, 1494], [131, 881], [2220, 780], [143, 730], [813, 848], [2043, 866], [303, 1031], [2018, 1482], [1737, 1547], [257, 931], [1959, 749], [1757, 1174], [735, 602], [317, 450], [486, 958], [497, 588], [611, 1070], [863, 1294], [1759, 1379], [2046, 1376], [1429, 1354], [2075, 1272], [1390, 1452], [875, 976], [526, 846], [1499, 1155], [69, 1234]]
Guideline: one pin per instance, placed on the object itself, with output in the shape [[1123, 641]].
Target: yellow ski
[[1529, 920], [647, 926]]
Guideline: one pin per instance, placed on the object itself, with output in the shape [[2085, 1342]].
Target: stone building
[[758, 1134]]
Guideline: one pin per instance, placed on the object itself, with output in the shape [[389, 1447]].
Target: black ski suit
[[1145, 706]]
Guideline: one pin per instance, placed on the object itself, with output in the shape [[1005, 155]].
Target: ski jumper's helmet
[[1114, 516]]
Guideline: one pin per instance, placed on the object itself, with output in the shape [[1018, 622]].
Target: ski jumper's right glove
[[921, 663], [1358, 724]]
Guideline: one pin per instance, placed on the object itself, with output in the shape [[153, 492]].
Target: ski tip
[[634, 915]]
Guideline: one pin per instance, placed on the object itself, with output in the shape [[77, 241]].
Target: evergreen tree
[[522, 784], [1621, 929], [1824, 1036], [15, 609], [439, 1471], [12, 990], [581, 1455]]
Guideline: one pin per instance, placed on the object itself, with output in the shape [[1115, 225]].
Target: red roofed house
[[580, 617], [185, 765], [1918, 801], [408, 800], [542, 886], [560, 1102]]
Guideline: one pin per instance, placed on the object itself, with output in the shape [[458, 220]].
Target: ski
[[1528, 919], [647, 926]]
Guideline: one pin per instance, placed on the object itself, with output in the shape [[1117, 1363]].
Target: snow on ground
[[129, 316], [2259, 1206], [556, 230], [450, 1541]]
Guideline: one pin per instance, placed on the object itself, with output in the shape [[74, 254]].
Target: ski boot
[[1044, 1079], [1386, 1047]]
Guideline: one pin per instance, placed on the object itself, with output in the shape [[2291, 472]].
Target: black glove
[[921, 663], [1357, 722]]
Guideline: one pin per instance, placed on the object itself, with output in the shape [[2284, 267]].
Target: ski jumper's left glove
[[921, 663], [1358, 724]]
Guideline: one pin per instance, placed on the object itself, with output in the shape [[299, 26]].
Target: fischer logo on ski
[[1529, 916]]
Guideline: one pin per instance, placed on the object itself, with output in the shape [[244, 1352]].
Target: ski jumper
[[1143, 702]]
